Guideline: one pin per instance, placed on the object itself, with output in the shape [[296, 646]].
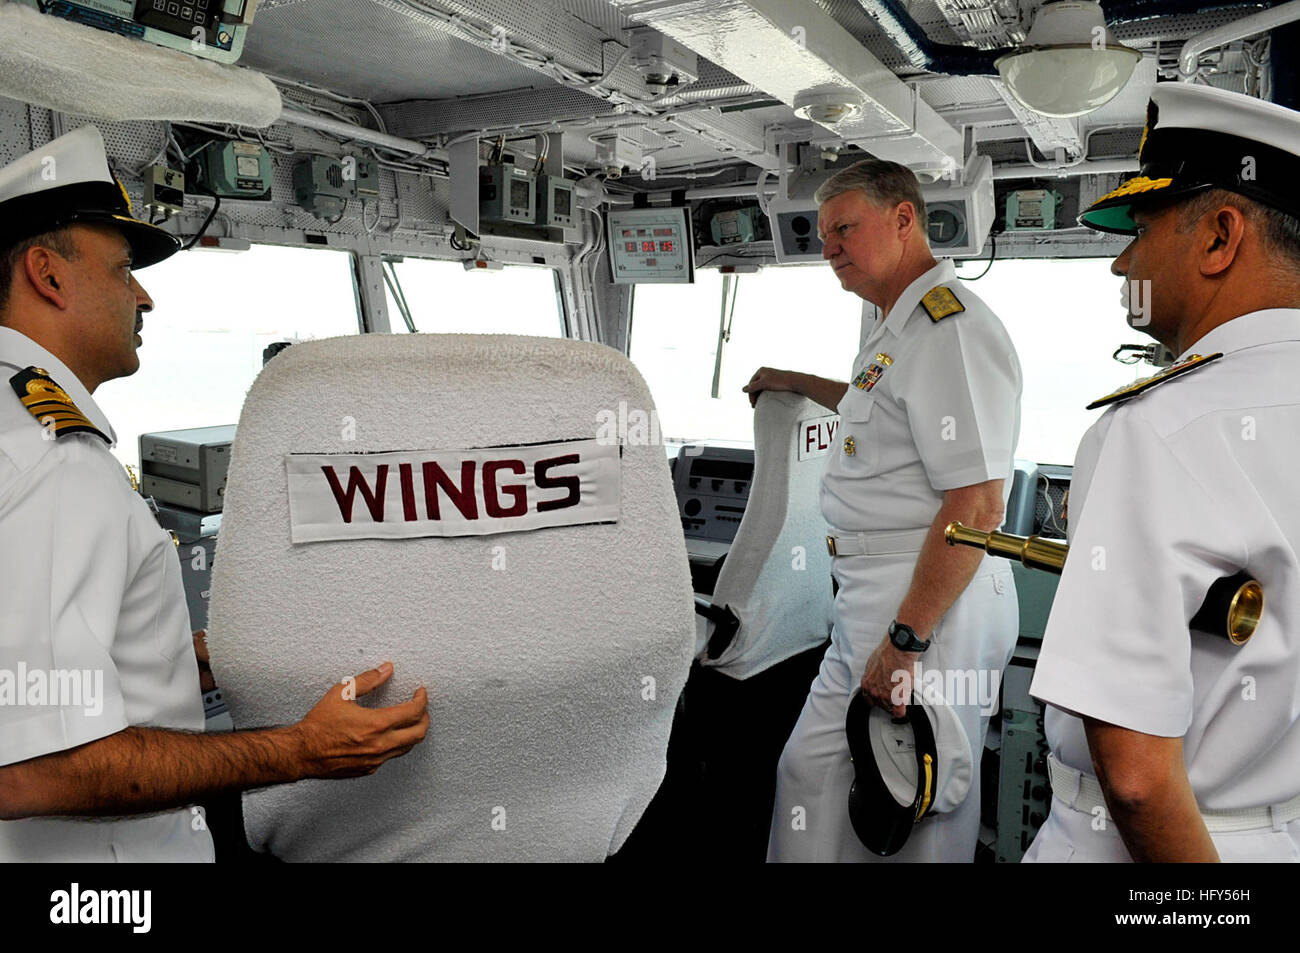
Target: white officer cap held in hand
[[1199, 138], [906, 769], [67, 182]]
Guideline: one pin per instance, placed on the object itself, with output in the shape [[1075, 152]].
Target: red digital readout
[[629, 247], [647, 246], [665, 246], [663, 231]]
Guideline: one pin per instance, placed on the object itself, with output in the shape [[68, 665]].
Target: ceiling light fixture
[[828, 108], [1070, 64]]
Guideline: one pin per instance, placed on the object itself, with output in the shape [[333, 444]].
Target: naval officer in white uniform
[[100, 755], [1168, 743], [928, 430]]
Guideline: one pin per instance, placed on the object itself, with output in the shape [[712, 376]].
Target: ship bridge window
[[214, 313], [1065, 319], [443, 298], [792, 317], [1063, 316]]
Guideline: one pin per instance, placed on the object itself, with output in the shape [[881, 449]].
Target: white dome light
[[828, 108], [1071, 63]]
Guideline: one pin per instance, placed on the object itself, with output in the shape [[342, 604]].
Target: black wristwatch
[[903, 636]]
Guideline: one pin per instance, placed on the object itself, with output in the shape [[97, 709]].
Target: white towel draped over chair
[[553, 656], [776, 578]]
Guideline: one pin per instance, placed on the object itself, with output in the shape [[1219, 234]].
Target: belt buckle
[[830, 545]]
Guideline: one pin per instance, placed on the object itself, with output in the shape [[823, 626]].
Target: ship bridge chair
[[554, 640], [766, 629], [775, 581]]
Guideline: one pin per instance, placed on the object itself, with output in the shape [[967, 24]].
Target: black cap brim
[[85, 203], [149, 243]]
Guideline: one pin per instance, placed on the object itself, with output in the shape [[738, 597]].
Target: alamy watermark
[[952, 686], [53, 688], [133, 908]]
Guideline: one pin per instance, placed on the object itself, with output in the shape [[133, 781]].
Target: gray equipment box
[[187, 467], [555, 202], [507, 193]]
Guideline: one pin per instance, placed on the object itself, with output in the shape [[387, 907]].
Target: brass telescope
[[1232, 608]]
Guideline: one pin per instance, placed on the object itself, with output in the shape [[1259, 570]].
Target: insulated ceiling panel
[[959, 91], [850, 15], [1145, 33], [365, 49]]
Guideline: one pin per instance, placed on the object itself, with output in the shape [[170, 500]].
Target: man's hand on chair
[[340, 738], [767, 378]]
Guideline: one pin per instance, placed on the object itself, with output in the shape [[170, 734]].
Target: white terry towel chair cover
[[777, 575], [553, 657]]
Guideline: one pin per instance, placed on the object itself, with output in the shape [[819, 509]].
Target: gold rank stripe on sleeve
[[50, 404], [940, 302], [1146, 383]]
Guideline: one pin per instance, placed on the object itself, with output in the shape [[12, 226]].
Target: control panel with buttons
[[211, 29], [712, 485], [181, 16], [1024, 795]]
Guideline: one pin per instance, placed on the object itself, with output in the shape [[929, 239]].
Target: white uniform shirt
[[1172, 489], [92, 585], [943, 413]]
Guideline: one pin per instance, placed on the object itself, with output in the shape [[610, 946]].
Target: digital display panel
[[651, 245], [519, 193]]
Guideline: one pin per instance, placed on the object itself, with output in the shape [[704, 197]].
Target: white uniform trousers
[[1071, 836], [971, 645]]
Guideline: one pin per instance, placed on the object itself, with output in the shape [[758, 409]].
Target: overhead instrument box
[[212, 29], [507, 193], [651, 246]]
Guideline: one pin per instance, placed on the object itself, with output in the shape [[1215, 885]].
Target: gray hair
[[883, 182], [1279, 232]]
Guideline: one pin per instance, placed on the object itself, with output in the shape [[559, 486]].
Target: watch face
[[903, 636]]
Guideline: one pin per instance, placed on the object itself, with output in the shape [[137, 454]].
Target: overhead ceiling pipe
[[922, 52], [348, 130], [1086, 167], [1238, 29]]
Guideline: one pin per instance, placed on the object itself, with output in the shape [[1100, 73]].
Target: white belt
[[1082, 792], [877, 544]]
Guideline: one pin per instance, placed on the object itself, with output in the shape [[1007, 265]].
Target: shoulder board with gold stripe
[[1137, 387], [939, 302], [50, 404]]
